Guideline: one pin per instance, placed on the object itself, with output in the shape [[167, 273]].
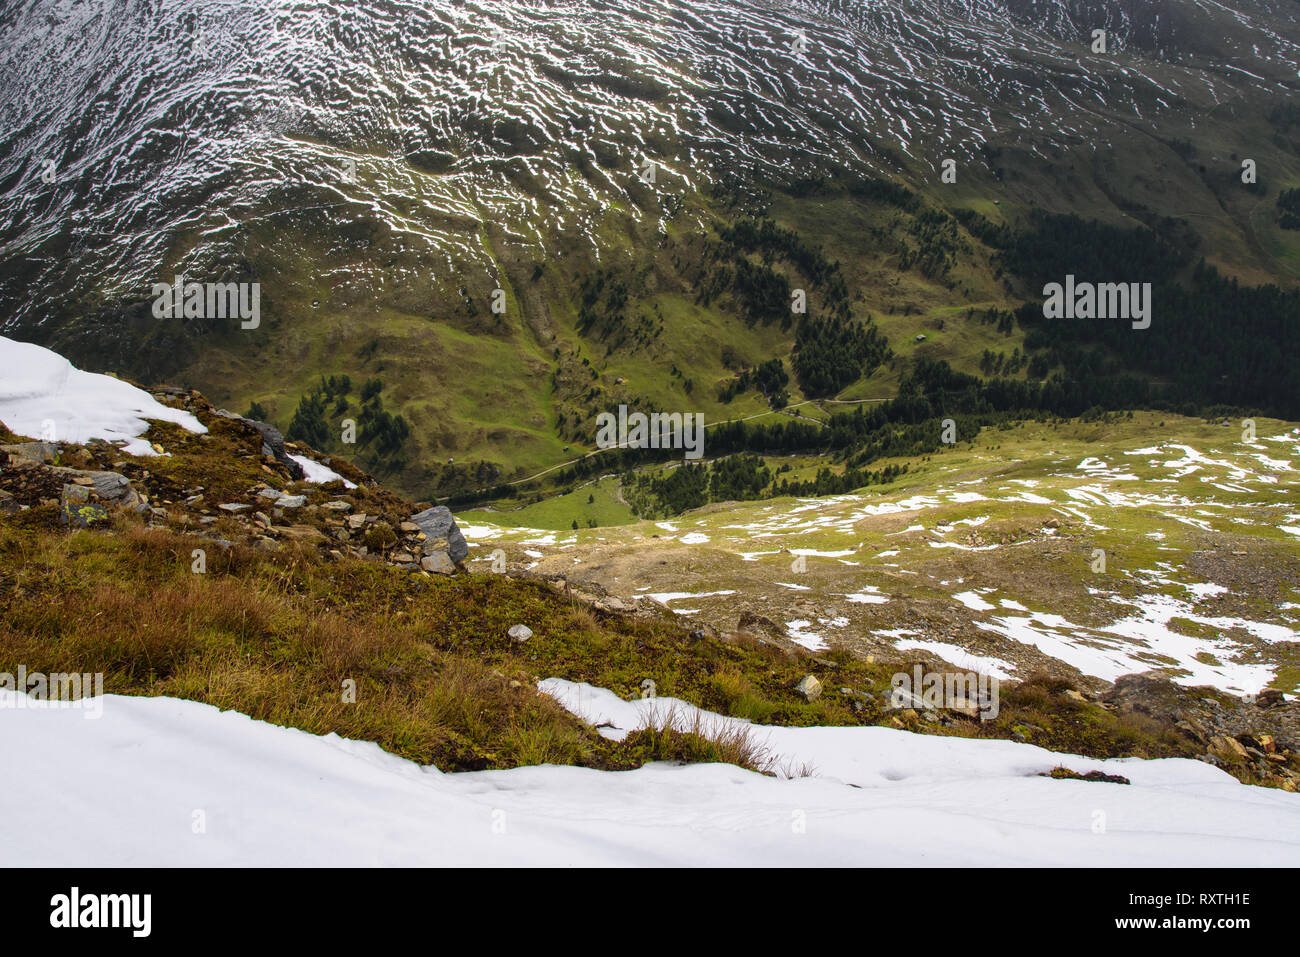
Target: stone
[[809, 688], [234, 507], [301, 533], [291, 501], [338, 506], [439, 563], [357, 520], [8, 504], [76, 509], [75, 494], [111, 487], [760, 625], [439, 526], [273, 446], [1052, 523], [36, 453], [965, 707], [1269, 697], [1227, 749], [519, 633]]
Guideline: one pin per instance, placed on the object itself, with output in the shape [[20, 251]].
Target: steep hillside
[[390, 177], [213, 562]]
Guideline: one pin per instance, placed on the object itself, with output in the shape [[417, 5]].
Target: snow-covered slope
[[158, 781], [44, 396]]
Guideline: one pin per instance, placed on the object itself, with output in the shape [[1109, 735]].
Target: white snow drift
[[159, 781], [40, 392]]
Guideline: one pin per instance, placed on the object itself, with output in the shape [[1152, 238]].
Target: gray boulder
[[441, 532], [112, 487]]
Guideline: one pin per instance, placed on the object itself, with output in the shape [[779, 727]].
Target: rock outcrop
[[1253, 737], [272, 442], [441, 533]]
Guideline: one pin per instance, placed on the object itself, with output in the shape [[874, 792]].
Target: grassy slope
[[277, 634], [1151, 549]]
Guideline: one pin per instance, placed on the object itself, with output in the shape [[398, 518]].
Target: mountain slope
[[383, 173]]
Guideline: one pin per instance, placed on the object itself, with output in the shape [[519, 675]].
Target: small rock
[[38, 453], [439, 563], [964, 706], [809, 688], [519, 633], [1269, 697], [291, 501], [338, 506], [357, 520], [75, 494], [301, 533], [233, 507], [1227, 749], [77, 511]]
